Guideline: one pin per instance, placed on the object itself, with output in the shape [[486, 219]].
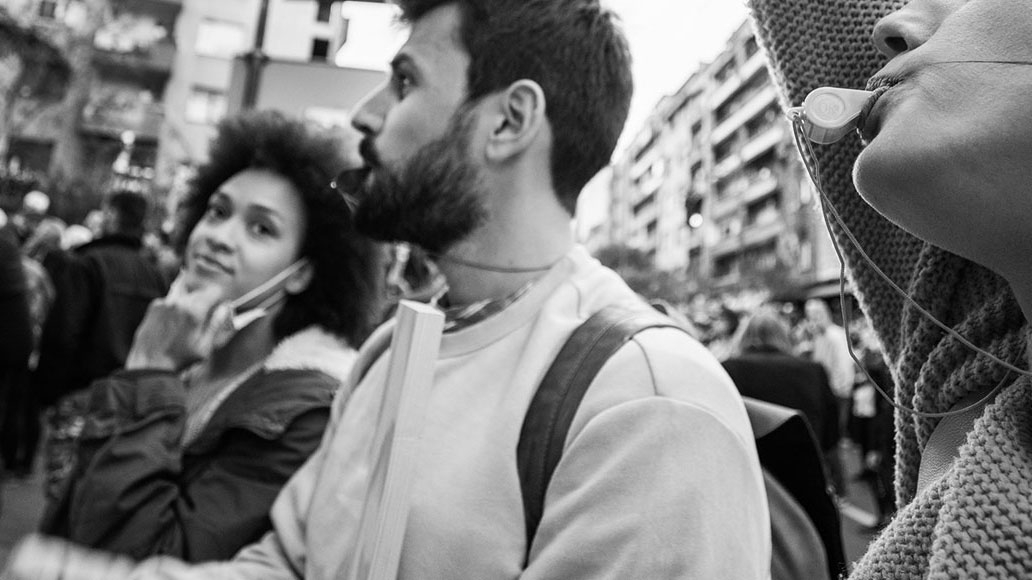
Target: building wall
[[293, 27], [209, 35], [720, 148]]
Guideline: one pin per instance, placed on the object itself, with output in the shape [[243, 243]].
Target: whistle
[[828, 113]]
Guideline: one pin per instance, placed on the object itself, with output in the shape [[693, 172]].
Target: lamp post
[[255, 59]]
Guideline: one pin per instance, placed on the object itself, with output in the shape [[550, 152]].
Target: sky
[[669, 39]]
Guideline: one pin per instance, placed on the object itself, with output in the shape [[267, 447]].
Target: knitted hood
[[975, 522], [815, 43]]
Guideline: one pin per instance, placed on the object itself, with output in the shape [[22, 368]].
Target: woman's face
[[950, 143], [253, 228]]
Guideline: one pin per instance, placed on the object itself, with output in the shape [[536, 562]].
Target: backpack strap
[[555, 403]]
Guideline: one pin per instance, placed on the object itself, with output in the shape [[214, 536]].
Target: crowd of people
[[218, 415]]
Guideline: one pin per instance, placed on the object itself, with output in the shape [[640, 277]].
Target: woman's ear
[[299, 280], [520, 120]]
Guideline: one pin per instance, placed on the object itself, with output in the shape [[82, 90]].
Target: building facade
[[712, 184], [152, 78], [298, 75], [107, 128]]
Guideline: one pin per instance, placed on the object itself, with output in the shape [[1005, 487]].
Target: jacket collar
[[133, 242], [313, 349]]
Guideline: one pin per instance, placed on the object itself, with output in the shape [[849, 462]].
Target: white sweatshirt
[[659, 477]]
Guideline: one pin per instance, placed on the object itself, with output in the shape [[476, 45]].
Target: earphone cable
[[813, 168]]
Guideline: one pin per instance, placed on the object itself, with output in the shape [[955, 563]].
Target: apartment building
[[713, 186], [109, 128], [299, 43]]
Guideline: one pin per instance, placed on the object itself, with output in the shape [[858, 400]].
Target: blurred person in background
[[722, 338], [22, 422], [74, 236], [183, 451], [766, 369], [34, 207], [15, 348], [102, 290], [870, 425], [830, 348]]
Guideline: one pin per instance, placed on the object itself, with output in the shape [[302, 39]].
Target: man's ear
[[299, 281], [520, 119]]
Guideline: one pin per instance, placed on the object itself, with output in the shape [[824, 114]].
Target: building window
[[320, 49], [205, 105], [48, 9], [323, 14], [220, 39]]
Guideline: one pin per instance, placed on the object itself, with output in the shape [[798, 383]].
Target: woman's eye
[[262, 229], [216, 212]]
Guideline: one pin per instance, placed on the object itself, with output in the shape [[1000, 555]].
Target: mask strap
[[265, 294]]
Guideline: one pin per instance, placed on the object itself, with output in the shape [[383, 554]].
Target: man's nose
[[911, 26], [371, 110]]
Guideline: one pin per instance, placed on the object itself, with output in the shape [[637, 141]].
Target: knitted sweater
[[977, 520]]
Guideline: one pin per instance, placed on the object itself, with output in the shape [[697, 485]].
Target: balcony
[[734, 82], [764, 142], [154, 62], [760, 183], [110, 119], [758, 233], [747, 109]]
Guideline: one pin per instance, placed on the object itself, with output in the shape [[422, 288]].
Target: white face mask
[[235, 315]]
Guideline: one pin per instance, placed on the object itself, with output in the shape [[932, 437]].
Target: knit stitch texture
[[976, 522]]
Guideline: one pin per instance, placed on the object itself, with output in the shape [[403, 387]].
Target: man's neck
[[471, 267]]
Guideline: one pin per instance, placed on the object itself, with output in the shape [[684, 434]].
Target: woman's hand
[[179, 329]]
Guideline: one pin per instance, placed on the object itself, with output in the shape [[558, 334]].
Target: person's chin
[[197, 278], [885, 172]]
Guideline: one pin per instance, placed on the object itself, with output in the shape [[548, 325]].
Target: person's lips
[[208, 263], [868, 123]]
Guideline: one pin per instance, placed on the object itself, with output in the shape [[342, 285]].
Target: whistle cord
[[813, 168]]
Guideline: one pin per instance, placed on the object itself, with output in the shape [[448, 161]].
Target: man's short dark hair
[[130, 211], [345, 295], [574, 50]]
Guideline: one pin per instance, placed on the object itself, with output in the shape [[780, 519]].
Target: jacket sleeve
[[130, 496]]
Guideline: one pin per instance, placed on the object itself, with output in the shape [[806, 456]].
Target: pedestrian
[[15, 350], [22, 424], [183, 451], [494, 117], [102, 290], [830, 347], [766, 369], [939, 208], [723, 335]]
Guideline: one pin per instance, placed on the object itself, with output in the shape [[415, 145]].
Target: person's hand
[[179, 329]]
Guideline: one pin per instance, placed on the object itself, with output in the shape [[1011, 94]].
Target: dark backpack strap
[[555, 403]]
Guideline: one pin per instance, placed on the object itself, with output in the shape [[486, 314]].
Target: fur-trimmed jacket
[[136, 490]]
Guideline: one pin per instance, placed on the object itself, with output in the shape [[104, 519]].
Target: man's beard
[[434, 201]]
